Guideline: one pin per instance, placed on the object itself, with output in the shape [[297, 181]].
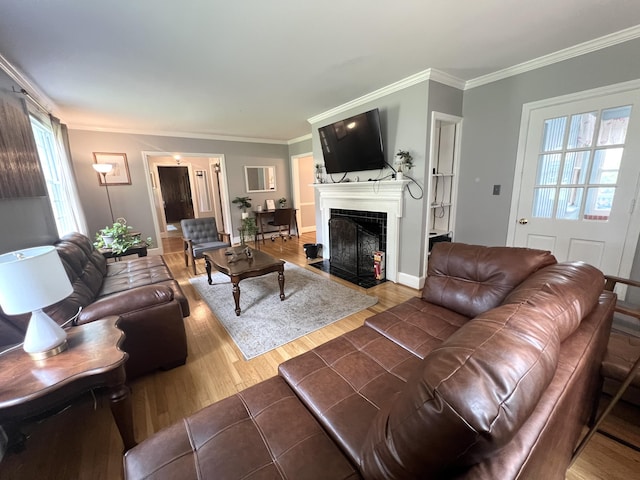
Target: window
[[59, 179]]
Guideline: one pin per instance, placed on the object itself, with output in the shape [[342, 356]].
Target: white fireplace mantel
[[379, 196]]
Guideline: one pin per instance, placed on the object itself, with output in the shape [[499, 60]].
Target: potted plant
[[319, 173], [119, 238], [283, 202], [243, 204], [248, 229], [404, 160]]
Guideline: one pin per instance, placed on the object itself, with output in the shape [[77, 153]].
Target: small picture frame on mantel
[[119, 175], [271, 204]]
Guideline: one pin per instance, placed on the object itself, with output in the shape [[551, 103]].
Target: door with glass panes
[[579, 180]]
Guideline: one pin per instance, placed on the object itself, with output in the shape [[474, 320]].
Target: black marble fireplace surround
[[353, 237]]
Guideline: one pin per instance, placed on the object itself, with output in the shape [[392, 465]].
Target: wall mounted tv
[[353, 144]]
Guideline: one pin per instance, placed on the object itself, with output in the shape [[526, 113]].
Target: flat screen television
[[353, 144]]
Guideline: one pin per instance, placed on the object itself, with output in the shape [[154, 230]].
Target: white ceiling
[[261, 68]]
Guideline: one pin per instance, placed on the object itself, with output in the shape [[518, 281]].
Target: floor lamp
[[216, 169], [103, 169]]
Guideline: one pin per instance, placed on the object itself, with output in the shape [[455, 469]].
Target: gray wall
[[26, 221], [298, 148], [404, 118], [491, 128], [132, 201]]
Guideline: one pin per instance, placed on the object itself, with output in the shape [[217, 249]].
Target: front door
[[579, 179]]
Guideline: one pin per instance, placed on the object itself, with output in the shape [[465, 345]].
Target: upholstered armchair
[[201, 235]]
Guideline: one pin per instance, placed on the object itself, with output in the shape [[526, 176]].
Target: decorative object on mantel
[[319, 173], [283, 202], [404, 162], [243, 204], [119, 238], [267, 322]]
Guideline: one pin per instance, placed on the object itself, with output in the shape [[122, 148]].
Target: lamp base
[[49, 353]]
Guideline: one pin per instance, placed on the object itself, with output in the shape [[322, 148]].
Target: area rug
[[266, 322]]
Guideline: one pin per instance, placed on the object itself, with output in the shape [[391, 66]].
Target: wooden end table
[[237, 266], [30, 389]]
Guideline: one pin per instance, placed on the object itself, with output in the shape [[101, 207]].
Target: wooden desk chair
[[201, 235], [281, 218], [621, 362]]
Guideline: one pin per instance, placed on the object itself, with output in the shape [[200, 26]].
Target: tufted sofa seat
[[491, 372], [141, 291]]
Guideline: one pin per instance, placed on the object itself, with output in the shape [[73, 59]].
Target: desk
[[32, 389], [264, 216]]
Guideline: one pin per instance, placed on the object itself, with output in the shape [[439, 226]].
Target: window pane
[[553, 134], [569, 201], [606, 163], [575, 168], [599, 202], [548, 169], [582, 128], [613, 126], [543, 199]]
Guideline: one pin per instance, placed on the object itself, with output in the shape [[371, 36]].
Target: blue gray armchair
[[201, 235]]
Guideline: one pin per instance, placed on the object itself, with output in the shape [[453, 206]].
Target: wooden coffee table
[[237, 266], [31, 389]]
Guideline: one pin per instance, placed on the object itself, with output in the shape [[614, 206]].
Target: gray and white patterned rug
[[266, 322]]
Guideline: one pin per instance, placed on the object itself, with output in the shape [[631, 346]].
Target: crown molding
[[559, 56], [34, 92], [200, 136], [423, 76], [299, 139]]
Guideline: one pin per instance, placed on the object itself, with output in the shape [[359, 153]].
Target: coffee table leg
[[207, 266], [121, 409], [236, 296], [281, 283]]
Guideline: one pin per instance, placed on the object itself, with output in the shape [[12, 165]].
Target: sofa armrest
[[125, 302]]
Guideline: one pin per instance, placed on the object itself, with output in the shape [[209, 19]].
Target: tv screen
[[353, 144]]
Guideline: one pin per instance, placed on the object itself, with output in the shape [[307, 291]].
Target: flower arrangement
[[283, 202]]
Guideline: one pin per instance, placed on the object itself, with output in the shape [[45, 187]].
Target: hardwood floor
[[82, 442]]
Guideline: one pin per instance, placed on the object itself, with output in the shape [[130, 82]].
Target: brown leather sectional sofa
[[489, 374], [141, 291]]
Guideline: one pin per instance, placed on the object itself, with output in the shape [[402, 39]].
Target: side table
[[30, 389], [140, 250]]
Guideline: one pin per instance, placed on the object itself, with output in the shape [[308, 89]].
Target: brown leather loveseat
[[150, 303], [490, 373]]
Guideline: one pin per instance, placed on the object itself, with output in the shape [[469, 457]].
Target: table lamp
[[30, 280]]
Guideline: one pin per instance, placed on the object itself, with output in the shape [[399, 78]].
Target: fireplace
[[384, 196], [353, 238]]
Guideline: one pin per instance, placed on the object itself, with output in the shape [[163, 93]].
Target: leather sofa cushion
[[417, 325], [471, 279], [468, 400], [262, 432], [566, 291], [346, 380]]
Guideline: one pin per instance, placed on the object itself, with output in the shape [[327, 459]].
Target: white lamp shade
[[102, 167], [32, 279]]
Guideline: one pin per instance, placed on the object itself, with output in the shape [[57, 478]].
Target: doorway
[[185, 185], [303, 175], [177, 200], [577, 180]]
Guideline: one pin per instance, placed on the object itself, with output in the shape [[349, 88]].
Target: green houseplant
[[404, 160], [283, 202], [243, 204], [118, 238], [248, 229]]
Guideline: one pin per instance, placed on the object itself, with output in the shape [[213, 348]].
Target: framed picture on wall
[[271, 205], [119, 174]]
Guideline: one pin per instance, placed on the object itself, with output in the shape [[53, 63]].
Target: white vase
[[399, 176], [245, 215]]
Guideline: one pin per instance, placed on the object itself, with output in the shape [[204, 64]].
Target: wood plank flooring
[[82, 442]]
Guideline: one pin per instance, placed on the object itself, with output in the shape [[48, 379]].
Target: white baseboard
[[410, 280]]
